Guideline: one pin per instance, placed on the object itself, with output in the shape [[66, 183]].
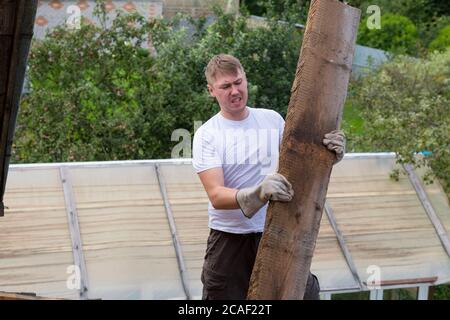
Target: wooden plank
[[434, 218], [16, 27], [8, 66], [74, 227], [412, 281], [369, 194], [173, 230], [343, 246], [23, 296], [315, 108]]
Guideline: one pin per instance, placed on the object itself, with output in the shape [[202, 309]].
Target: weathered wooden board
[[317, 98], [16, 29]]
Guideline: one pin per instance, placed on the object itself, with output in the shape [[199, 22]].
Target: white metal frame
[[173, 231], [426, 203], [377, 294], [74, 229], [423, 292], [100, 164]]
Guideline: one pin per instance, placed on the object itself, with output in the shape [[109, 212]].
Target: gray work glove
[[273, 187], [335, 141]]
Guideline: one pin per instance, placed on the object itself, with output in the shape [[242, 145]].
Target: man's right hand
[[274, 187]]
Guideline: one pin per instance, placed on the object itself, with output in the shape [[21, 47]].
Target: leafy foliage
[[397, 34], [283, 9], [441, 292], [91, 95], [442, 41], [99, 94], [418, 11], [406, 109], [428, 16]]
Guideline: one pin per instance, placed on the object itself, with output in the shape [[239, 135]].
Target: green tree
[[280, 8], [418, 11], [397, 34], [428, 16], [99, 94], [442, 41], [406, 109]]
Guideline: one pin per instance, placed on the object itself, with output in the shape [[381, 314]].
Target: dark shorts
[[229, 263]]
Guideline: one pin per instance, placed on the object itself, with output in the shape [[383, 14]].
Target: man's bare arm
[[221, 197]]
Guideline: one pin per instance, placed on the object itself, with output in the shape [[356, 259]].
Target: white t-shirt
[[246, 150]]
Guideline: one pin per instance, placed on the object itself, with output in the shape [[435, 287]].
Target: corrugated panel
[[438, 199], [329, 264], [189, 204], [126, 238], [35, 249], [128, 246], [384, 223]]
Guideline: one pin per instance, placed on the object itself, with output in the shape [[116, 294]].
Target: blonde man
[[235, 154]]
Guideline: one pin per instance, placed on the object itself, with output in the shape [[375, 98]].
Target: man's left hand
[[335, 141]]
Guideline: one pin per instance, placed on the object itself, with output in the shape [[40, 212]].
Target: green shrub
[[397, 34], [97, 94], [442, 41], [441, 292], [406, 109]]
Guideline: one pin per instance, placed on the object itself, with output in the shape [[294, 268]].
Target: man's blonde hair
[[222, 64]]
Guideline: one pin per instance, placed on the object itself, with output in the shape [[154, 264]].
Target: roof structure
[[138, 230]]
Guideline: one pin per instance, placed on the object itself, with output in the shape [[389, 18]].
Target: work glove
[[335, 141], [274, 187]]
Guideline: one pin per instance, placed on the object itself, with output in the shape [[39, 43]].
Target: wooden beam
[[426, 203], [9, 33], [74, 228], [317, 97], [23, 296], [16, 29], [412, 281], [173, 231]]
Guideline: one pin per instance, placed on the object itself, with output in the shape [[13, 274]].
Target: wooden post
[[16, 30], [315, 108]]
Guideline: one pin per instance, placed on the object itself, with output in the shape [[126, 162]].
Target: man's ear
[[211, 90]]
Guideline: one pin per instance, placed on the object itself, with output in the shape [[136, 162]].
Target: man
[[235, 154]]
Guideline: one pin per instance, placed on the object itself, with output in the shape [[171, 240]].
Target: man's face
[[231, 92]]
